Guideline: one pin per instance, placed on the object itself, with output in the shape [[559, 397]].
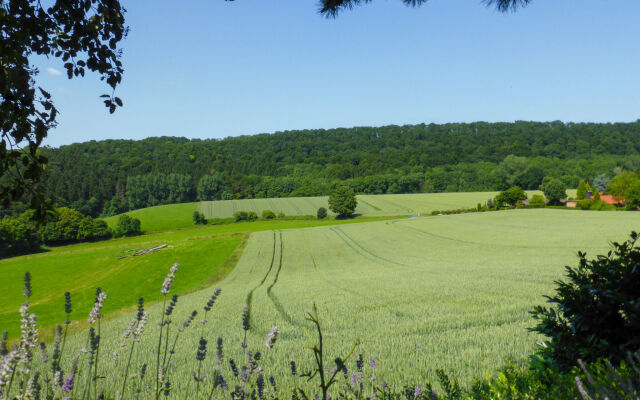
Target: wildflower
[[3, 344], [359, 363], [272, 381], [271, 337], [244, 374], [294, 369], [67, 306], [354, 380], [222, 382], [260, 384], [373, 364], [43, 352], [201, 354], [417, 391], [219, 349], [7, 364], [140, 309], [167, 388], [94, 314], [129, 329], [141, 325], [212, 299], [27, 285], [172, 305], [68, 384], [234, 367], [168, 281], [384, 385], [245, 317], [188, 321]]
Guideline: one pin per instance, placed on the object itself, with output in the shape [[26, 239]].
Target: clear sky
[[212, 69]]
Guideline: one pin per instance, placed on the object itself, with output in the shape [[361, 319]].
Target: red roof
[[609, 199]]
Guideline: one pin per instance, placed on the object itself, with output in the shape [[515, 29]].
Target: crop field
[[368, 204], [449, 292]]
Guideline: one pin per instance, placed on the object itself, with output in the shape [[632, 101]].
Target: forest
[[113, 176]]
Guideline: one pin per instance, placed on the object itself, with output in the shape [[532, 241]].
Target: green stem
[[126, 371], [164, 303]]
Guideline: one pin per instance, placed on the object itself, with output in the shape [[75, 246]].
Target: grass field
[[161, 218], [202, 251], [448, 292], [368, 205]]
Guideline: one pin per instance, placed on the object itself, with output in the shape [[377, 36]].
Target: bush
[[281, 214], [127, 226], [245, 216], [537, 200], [268, 214], [93, 229], [18, 236], [322, 213], [596, 314], [199, 218], [342, 201], [510, 197]]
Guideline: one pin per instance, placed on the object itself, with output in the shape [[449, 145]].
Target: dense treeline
[[21, 235], [125, 174]]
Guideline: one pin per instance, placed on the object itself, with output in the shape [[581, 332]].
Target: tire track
[[249, 297], [403, 226], [274, 299], [363, 251]]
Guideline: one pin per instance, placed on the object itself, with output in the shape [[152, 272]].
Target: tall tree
[[84, 34], [331, 8]]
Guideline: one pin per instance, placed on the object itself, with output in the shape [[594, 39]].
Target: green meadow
[[450, 292]]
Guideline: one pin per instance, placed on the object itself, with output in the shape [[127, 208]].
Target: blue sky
[[212, 69]]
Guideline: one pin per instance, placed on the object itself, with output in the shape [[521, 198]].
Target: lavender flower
[[27, 285], [168, 281], [245, 317], [294, 369], [234, 367], [94, 314], [212, 299], [141, 325], [68, 384], [172, 305], [359, 363], [3, 344], [67, 307], [417, 391], [219, 354], [272, 381], [222, 382], [272, 336], [384, 385], [129, 330], [188, 321], [260, 384], [43, 353], [373, 364], [201, 354], [140, 309]]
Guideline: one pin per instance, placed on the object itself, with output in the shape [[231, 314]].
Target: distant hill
[[390, 159]]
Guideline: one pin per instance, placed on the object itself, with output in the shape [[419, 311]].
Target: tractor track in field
[[405, 227], [249, 297], [363, 251], [274, 299]]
